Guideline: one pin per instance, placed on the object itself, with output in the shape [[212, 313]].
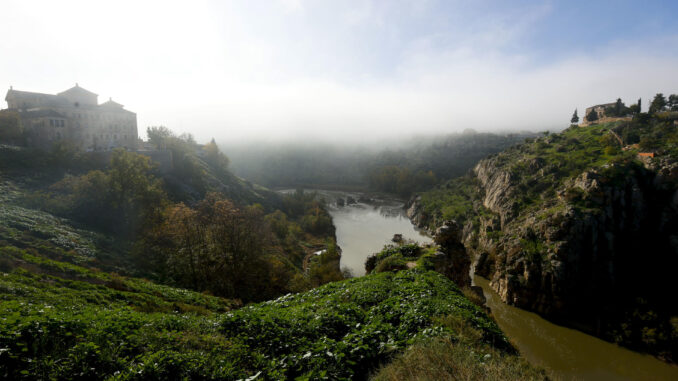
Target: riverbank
[[569, 353]]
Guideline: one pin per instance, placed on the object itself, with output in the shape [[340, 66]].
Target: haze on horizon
[[343, 70]]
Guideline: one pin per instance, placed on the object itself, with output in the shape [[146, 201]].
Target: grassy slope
[[564, 156], [65, 315], [60, 318]]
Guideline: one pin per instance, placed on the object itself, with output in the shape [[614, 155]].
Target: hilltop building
[[73, 116], [599, 110]]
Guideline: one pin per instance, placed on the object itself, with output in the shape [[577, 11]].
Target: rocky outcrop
[[605, 240], [415, 212], [453, 261]]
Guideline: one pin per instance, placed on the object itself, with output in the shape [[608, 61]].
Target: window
[[51, 122]]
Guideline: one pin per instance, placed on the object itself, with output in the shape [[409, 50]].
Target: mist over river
[[365, 226]]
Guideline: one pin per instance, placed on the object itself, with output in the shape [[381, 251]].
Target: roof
[[46, 98], [602, 105], [77, 90], [111, 103], [41, 114]]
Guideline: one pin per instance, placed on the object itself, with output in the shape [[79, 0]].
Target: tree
[[658, 104], [158, 136], [214, 156], [221, 248], [592, 116], [121, 199], [575, 117], [673, 102], [634, 109], [11, 129]]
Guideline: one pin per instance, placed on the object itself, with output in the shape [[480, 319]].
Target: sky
[[344, 70]]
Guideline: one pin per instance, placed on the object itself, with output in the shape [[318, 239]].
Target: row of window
[[99, 116], [101, 136], [57, 123]]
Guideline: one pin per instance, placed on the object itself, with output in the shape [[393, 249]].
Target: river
[[363, 228]]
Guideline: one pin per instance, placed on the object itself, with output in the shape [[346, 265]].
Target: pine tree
[[658, 104], [575, 117]]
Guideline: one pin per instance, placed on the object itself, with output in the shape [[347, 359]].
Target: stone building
[[599, 109], [73, 116], [600, 112]]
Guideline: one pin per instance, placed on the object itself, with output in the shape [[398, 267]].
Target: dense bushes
[[63, 321]]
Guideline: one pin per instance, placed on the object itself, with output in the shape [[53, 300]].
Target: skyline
[[357, 69]]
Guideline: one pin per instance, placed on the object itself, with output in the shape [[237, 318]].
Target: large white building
[[73, 116]]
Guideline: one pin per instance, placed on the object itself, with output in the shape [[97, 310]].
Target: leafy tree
[[592, 116], [159, 136], [658, 104], [673, 102], [216, 157], [575, 117], [11, 129], [221, 248], [121, 199], [634, 109], [618, 110]]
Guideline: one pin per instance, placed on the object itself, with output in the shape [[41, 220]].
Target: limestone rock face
[[603, 236], [453, 260]]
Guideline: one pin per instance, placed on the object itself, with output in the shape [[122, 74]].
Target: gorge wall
[[596, 250]]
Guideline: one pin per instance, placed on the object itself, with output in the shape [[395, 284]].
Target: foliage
[[219, 248], [672, 103], [400, 180], [63, 321], [451, 201], [592, 116], [575, 117], [459, 356], [402, 168], [618, 110], [658, 104], [121, 199], [324, 268], [215, 157], [392, 257], [11, 129]]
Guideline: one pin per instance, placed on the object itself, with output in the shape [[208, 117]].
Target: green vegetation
[[416, 166], [204, 241], [461, 357], [575, 180], [542, 166], [393, 257], [60, 320], [452, 201], [11, 130]]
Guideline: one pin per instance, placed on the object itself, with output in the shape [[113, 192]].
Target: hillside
[[577, 227], [398, 167], [191, 223], [65, 321], [74, 305]]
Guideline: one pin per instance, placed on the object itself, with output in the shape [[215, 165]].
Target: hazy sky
[[343, 69]]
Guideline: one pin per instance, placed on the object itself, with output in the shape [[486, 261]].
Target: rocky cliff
[[579, 236]]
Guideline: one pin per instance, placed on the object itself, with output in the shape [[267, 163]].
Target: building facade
[[76, 117]]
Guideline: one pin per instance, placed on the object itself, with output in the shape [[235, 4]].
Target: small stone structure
[[600, 112]]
